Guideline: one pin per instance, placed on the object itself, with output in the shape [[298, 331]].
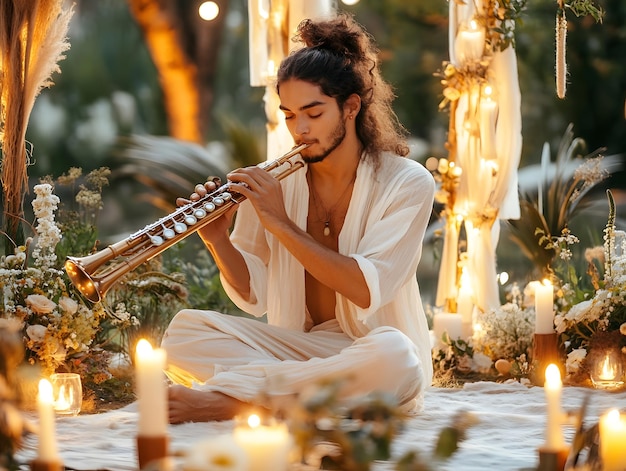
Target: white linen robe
[[383, 347]]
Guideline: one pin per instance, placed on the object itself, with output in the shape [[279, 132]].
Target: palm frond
[[169, 167], [566, 187]]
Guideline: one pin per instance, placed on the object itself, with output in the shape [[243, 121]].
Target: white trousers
[[259, 363]]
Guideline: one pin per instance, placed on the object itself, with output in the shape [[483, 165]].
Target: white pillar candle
[[47, 450], [552, 387], [267, 447], [470, 43], [151, 390], [488, 113], [544, 308], [465, 303], [450, 322], [612, 441]]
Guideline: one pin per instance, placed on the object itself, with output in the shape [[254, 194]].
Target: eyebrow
[[305, 107]]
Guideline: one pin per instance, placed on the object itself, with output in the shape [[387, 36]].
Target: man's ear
[[352, 106]]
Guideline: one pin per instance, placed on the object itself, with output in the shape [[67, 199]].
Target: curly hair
[[341, 58]]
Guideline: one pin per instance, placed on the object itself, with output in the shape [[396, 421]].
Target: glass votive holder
[[67, 392], [607, 370]]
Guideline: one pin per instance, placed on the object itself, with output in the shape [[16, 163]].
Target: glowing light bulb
[[208, 11]]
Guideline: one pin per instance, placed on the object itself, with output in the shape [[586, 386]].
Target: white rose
[[40, 304], [579, 311], [68, 305], [482, 362], [574, 360], [36, 332]]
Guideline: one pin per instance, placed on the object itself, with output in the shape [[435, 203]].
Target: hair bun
[[335, 35]]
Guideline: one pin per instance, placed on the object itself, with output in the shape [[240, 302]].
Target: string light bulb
[[208, 11]]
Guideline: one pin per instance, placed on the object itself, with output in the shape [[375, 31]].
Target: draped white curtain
[[273, 23], [487, 121]]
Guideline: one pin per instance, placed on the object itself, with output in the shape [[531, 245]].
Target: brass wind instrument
[[93, 275]]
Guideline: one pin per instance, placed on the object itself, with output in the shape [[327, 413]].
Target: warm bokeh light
[[553, 377], [432, 163], [503, 277], [208, 11], [143, 348], [254, 421], [45, 391], [349, 2]]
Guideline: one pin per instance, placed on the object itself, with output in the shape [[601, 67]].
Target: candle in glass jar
[[151, 390], [612, 440], [266, 446], [544, 308], [552, 388], [470, 42], [47, 451]]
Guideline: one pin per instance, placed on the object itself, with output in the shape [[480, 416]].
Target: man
[[330, 253]]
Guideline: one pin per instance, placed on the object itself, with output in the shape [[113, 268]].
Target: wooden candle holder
[[40, 465], [545, 351], [151, 449], [552, 460]]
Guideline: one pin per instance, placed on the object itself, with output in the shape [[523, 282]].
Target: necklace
[[317, 202]]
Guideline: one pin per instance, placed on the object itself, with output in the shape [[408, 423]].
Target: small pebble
[[503, 366]]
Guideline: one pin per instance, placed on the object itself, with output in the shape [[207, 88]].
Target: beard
[[336, 138]]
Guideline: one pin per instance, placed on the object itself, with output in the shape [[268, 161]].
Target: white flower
[[68, 305], [221, 453], [574, 360], [40, 304], [36, 332], [482, 362]]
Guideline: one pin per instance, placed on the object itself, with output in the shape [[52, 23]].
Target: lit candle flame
[[62, 402], [254, 421], [608, 370]]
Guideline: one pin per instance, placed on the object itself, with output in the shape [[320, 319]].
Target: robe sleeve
[[389, 251], [248, 237]]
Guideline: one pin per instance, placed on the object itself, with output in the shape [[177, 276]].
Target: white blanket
[[510, 429]]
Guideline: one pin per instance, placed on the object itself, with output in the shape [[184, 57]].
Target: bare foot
[[190, 405]]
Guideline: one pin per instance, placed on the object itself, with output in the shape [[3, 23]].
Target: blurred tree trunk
[[184, 49]]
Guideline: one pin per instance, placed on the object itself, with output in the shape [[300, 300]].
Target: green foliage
[[584, 8], [564, 190], [509, 15], [350, 435]]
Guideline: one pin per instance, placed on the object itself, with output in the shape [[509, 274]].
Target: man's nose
[[302, 127]]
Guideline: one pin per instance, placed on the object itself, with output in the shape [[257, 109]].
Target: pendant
[[327, 228]]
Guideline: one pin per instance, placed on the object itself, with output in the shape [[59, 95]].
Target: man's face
[[312, 118]]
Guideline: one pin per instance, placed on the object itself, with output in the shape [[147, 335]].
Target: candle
[[67, 393], [470, 43], [612, 440], [450, 322], [465, 304], [607, 373], [151, 390], [544, 308], [552, 388], [488, 112], [47, 451], [266, 446]]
